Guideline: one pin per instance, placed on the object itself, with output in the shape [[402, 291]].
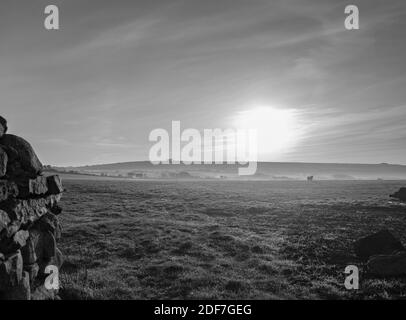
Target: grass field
[[223, 239]]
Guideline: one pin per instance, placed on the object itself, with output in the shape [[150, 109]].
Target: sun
[[277, 129]]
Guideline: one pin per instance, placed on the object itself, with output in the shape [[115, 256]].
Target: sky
[[92, 91]]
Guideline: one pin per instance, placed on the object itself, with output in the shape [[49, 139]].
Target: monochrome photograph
[[220, 151]]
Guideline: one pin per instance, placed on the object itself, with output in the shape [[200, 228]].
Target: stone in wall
[[22, 160]]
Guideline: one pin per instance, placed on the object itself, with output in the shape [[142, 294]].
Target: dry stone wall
[[29, 226]]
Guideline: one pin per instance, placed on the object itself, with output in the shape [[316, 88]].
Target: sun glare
[[277, 129]]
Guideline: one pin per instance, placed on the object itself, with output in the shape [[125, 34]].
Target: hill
[[265, 171]]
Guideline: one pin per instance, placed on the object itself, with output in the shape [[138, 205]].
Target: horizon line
[[208, 164]]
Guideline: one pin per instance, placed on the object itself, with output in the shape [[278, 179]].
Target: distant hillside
[[265, 171]]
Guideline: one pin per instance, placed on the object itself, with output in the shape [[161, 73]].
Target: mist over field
[[265, 171]]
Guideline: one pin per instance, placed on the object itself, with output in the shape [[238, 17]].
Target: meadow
[[223, 239]]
